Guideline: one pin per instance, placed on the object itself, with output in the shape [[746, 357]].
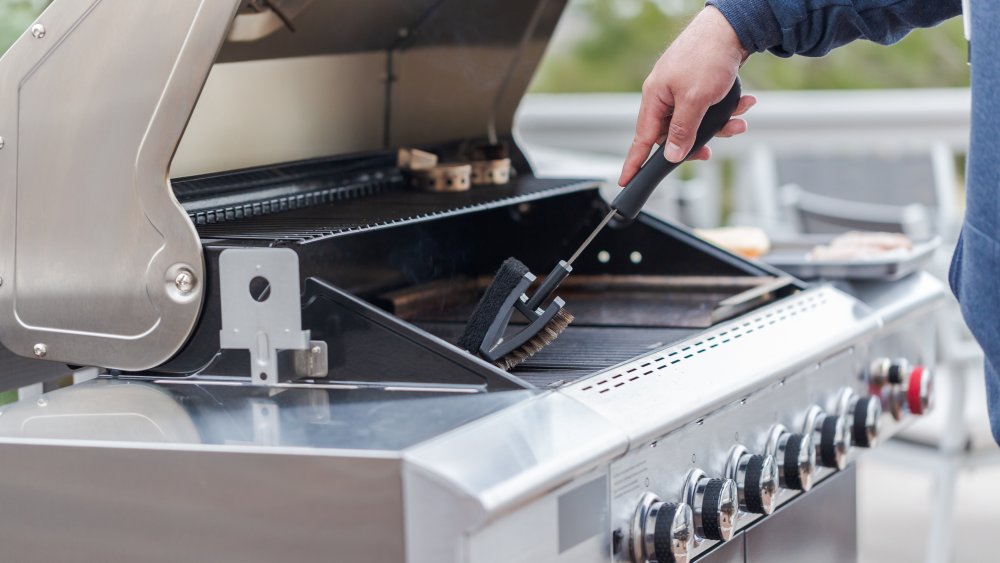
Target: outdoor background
[[610, 45]]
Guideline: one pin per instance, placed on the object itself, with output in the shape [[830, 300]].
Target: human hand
[[695, 72]]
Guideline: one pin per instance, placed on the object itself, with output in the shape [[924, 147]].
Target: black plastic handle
[[634, 196]]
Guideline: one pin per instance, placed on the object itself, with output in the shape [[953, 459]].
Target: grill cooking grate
[[580, 350]]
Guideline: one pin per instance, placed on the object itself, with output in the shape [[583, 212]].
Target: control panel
[[699, 485]]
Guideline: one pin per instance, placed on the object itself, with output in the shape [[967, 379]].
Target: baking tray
[[791, 256]]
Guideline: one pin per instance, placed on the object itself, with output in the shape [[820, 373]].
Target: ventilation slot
[[730, 333]]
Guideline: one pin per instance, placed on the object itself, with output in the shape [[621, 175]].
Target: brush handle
[[549, 286], [634, 196]]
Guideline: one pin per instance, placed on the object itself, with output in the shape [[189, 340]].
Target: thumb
[[682, 130]]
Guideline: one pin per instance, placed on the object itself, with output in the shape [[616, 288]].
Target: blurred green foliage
[[613, 50], [15, 17]]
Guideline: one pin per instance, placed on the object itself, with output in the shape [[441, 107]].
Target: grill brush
[[485, 333]]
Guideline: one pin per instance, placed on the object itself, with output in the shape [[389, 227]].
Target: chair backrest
[[815, 213], [856, 190]]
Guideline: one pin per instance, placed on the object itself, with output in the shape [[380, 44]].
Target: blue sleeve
[[814, 27]]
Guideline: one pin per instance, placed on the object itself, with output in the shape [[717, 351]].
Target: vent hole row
[[714, 341]]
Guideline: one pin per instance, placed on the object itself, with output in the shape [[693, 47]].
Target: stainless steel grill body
[[419, 475], [315, 423]]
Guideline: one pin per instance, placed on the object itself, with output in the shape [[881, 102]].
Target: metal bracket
[[261, 310], [312, 362]]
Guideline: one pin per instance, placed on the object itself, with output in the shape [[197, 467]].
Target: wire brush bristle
[[552, 330]]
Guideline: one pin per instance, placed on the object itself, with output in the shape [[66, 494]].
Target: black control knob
[[797, 457], [887, 371], [673, 534], [834, 441], [865, 415], [663, 532], [898, 370], [757, 482], [831, 436], [715, 505], [756, 479]]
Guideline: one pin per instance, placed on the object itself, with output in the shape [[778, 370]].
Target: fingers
[[683, 129], [648, 130], [704, 153], [746, 102], [734, 127], [738, 126]]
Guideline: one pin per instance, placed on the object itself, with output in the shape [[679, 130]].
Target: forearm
[[814, 27]]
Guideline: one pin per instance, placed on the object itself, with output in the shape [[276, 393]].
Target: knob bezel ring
[[733, 460], [845, 403], [638, 541]]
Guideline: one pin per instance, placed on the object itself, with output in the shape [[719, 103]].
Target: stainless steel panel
[[681, 383], [334, 417], [733, 551], [901, 301], [470, 477], [532, 534], [820, 527], [120, 505], [92, 110]]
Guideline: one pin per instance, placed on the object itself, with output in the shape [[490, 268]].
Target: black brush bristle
[[552, 330], [506, 280]]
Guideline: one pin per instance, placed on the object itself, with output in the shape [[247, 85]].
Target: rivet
[[184, 281], [1, 142], [41, 350], [316, 350], [42, 401], [38, 31], [1, 282]]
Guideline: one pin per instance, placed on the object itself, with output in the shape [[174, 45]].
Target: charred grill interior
[[425, 258]]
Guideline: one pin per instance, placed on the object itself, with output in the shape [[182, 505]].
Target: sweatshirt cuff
[[754, 22]]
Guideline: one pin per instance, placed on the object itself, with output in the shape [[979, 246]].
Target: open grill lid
[[94, 100], [364, 76]]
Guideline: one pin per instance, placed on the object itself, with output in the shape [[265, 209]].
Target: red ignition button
[[919, 389]]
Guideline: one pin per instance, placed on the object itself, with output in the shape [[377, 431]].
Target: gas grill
[[275, 327]]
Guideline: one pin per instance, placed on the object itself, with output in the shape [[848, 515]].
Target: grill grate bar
[[580, 350]]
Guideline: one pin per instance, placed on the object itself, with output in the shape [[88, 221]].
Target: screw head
[[1, 142], [184, 281], [38, 31], [41, 350], [1, 281]]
